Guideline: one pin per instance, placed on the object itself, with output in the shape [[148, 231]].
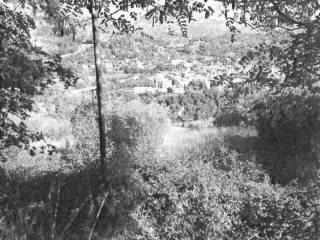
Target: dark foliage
[[25, 70], [288, 126], [190, 105]]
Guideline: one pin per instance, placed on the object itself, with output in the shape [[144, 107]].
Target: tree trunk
[[73, 34], [97, 60], [61, 26]]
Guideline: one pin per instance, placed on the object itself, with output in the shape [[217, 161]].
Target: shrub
[[129, 124], [208, 193], [62, 202], [288, 126], [50, 204], [188, 195], [229, 119], [276, 213], [195, 105], [203, 190]]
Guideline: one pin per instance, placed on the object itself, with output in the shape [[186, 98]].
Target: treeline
[[218, 105]]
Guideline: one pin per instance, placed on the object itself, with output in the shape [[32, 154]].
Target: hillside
[[138, 61], [210, 136]]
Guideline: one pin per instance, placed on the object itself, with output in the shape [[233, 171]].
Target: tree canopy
[[25, 71], [292, 61]]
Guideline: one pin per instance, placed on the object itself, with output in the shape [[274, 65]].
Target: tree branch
[[276, 27], [287, 17]]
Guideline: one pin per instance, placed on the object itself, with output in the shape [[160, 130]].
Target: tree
[[296, 57], [64, 22], [288, 114], [93, 8], [24, 72]]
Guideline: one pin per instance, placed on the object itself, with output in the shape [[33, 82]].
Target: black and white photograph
[[159, 119]]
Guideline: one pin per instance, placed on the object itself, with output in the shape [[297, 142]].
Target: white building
[[141, 90], [108, 66], [178, 90], [161, 81]]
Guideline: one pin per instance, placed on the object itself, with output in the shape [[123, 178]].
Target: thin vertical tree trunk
[[97, 60], [61, 32], [73, 34], [61, 25]]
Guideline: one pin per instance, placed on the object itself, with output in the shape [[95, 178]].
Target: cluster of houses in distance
[[173, 81]]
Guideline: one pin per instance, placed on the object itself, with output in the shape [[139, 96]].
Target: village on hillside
[[173, 68]]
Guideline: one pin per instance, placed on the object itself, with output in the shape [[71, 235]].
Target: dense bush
[[277, 213], [194, 105], [62, 203], [229, 119], [227, 107], [206, 192], [203, 190], [130, 123], [288, 126]]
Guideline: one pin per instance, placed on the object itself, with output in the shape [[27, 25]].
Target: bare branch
[[98, 214]]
